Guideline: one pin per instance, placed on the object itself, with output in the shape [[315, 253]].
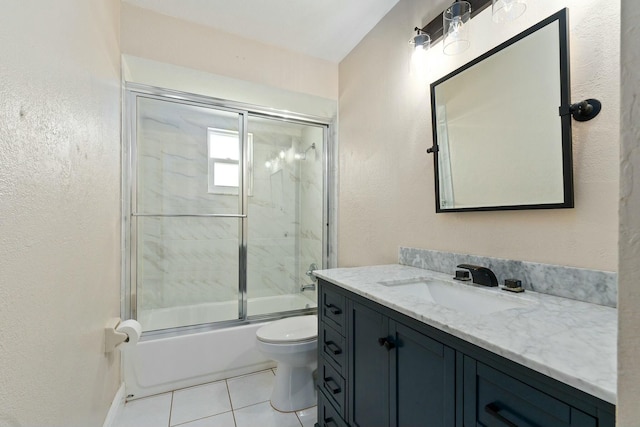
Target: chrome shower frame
[[131, 91]]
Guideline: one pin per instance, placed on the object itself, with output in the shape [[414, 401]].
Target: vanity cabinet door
[[369, 345], [493, 398], [422, 380]]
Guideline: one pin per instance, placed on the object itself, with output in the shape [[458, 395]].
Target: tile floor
[[235, 402]]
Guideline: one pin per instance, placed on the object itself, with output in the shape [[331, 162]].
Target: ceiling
[[327, 29]]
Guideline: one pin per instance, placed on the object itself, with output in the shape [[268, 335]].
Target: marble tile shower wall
[[273, 212], [311, 202], [195, 260], [594, 286]]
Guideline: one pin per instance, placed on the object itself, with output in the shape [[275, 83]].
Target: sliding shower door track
[[212, 326], [175, 215]]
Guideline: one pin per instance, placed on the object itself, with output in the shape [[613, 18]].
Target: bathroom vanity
[[401, 346]]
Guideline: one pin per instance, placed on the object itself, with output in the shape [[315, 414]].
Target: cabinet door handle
[[333, 309], [332, 385], [328, 422], [386, 342], [333, 348], [493, 410]]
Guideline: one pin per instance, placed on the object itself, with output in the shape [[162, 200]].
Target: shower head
[[303, 155]]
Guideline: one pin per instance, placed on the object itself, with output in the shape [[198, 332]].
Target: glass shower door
[[186, 211], [285, 214]]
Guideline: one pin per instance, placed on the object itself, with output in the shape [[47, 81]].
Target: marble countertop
[[570, 341]]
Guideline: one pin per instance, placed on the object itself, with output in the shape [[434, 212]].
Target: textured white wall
[[386, 179], [161, 38], [59, 210], [164, 75], [629, 266]]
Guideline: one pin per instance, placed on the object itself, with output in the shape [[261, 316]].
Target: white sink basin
[[460, 297]]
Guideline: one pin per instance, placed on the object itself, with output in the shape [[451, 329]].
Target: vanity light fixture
[[507, 10], [419, 43], [455, 23]]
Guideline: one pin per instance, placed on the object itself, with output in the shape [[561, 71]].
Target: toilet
[[293, 343]]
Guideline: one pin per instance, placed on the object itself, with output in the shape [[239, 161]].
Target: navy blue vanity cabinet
[[327, 414], [394, 371], [396, 376], [501, 393], [368, 367], [332, 357], [422, 380], [493, 398]]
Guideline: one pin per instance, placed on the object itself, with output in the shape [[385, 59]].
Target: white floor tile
[[264, 415], [222, 420], [148, 412], [251, 389], [308, 417], [198, 402]]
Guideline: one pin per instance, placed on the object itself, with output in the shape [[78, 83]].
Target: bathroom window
[[224, 161]]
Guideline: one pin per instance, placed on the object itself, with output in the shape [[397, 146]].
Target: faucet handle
[[481, 275], [310, 271], [462, 275]]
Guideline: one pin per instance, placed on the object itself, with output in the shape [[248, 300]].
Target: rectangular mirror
[[500, 142]]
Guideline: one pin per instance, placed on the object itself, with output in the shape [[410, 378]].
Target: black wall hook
[[585, 110]]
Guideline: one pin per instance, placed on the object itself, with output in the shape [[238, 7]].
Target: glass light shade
[[507, 10], [419, 46], [456, 20], [420, 42]]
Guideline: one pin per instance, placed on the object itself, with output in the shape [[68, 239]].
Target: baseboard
[[116, 407]]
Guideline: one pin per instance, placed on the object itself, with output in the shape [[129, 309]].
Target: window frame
[[212, 188]]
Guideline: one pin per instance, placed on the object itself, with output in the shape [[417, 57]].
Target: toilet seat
[[290, 330]]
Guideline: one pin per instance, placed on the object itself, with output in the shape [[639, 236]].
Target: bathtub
[[160, 365]]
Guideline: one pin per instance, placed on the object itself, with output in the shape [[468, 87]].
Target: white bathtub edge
[[116, 407], [167, 364]]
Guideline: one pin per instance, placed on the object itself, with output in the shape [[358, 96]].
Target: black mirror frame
[[565, 96]]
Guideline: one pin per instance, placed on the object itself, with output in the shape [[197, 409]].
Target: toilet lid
[[291, 329]]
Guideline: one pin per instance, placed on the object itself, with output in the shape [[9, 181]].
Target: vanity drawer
[[332, 309], [333, 348], [501, 400], [327, 415], [333, 386]]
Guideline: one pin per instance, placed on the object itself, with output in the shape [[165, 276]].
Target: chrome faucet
[[310, 287], [309, 274], [481, 275]]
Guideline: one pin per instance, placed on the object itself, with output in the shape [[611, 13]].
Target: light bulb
[[420, 43]]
